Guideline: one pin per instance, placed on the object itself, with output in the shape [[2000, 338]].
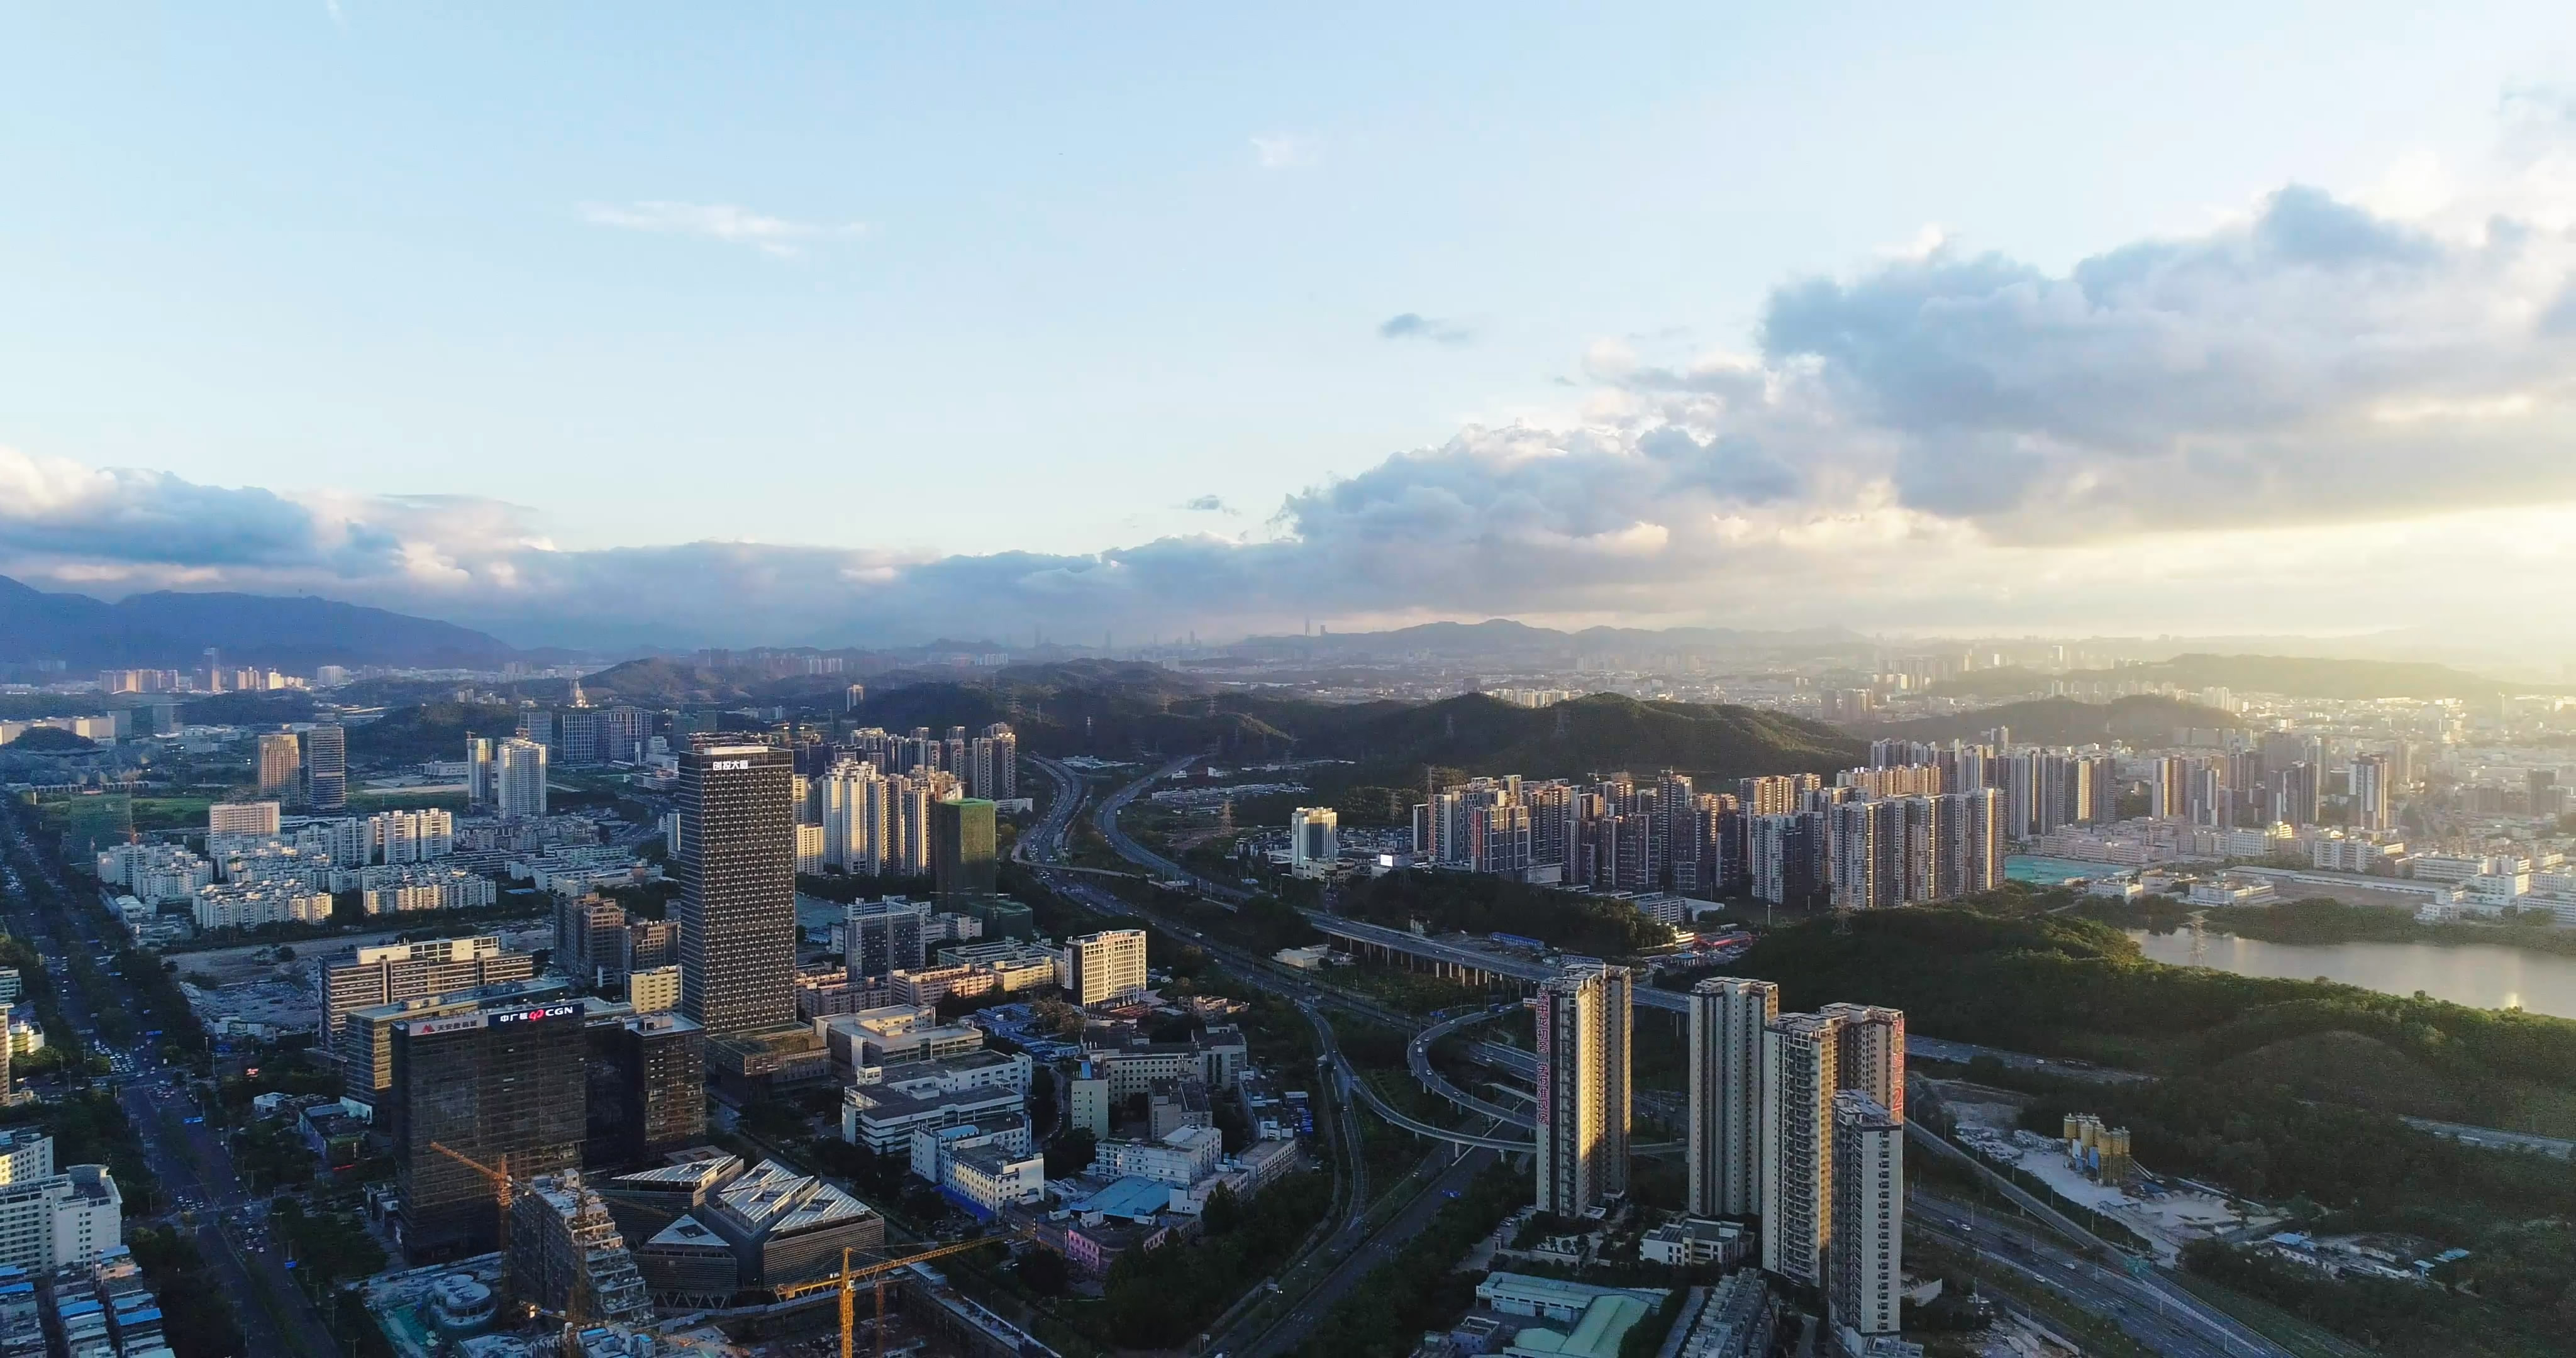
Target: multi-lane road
[[189, 1158]]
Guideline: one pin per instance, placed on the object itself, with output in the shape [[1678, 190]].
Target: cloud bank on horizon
[[2310, 410]]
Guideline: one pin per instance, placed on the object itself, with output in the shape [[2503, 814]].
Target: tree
[[1043, 1272], [1070, 1154]]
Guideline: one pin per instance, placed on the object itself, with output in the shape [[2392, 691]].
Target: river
[[2483, 976]]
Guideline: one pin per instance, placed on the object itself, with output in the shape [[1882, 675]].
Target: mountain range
[[169, 630]]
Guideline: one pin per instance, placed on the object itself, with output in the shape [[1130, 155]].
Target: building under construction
[[567, 1257]]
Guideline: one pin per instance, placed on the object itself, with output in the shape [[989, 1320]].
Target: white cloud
[[1286, 150], [2309, 411], [717, 221]]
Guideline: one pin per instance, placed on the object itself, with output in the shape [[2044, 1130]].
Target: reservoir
[[2478, 975]]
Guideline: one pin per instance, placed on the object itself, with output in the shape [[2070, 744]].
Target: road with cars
[[206, 1196], [2145, 1306]]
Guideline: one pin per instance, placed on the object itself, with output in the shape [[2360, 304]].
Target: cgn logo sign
[[532, 1015]]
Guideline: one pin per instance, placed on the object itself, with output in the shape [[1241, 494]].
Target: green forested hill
[[1601, 732]]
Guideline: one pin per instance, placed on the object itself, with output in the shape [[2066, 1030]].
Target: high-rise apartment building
[[1866, 1279], [1727, 1017], [993, 761], [1314, 840], [481, 775], [242, 818], [281, 764], [519, 778], [737, 902], [1809, 1059], [2369, 778], [1583, 1092], [2298, 797], [1106, 966], [1799, 1080], [964, 860], [2169, 788], [503, 1087], [1870, 1052]]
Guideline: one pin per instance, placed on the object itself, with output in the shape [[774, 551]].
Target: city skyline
[[1322, 353]]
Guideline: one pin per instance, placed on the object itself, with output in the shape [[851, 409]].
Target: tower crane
[[853, 1273]]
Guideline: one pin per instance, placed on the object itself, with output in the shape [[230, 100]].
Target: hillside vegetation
[[1102, 707], [1601, 732]]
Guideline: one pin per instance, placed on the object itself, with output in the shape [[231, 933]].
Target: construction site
[[565, 1284]]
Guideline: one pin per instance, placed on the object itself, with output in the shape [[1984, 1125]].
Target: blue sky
[[958, 281]]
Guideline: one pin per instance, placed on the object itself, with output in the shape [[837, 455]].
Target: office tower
[[881, 938], [1313, 840], [2169, 788], [280, 762], [503, 1087], [480, 775], [651, 944], [737, 903], [326, 768], [519, 778], [2299, 794], [1727, 1016], [964, 861], [537, 724], [577, 737], [1799, 1080], [2369, 776], [1105, 966], [392, 972], [623, 734], [1583, 1042], [647, 1076], [589, 940], [1869, 1216], [242, 818]]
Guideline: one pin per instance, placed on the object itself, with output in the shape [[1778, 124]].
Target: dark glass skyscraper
[[737, 905], [502, 1087], [648, 1087], [326, 768], [962, 856]]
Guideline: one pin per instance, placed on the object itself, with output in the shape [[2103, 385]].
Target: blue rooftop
[[1133, 1197]]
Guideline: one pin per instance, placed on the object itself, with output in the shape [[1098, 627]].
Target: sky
[[618, 323]]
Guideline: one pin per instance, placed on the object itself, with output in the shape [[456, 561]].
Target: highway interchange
[[2149, 1308]]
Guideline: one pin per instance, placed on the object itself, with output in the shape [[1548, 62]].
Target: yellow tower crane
[[503, 1194], [853, 1273]]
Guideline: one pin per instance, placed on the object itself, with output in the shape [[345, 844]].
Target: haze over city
[[588, 330]]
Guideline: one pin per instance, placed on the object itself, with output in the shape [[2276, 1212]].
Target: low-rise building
[[1183, 1158], [252, 904]]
